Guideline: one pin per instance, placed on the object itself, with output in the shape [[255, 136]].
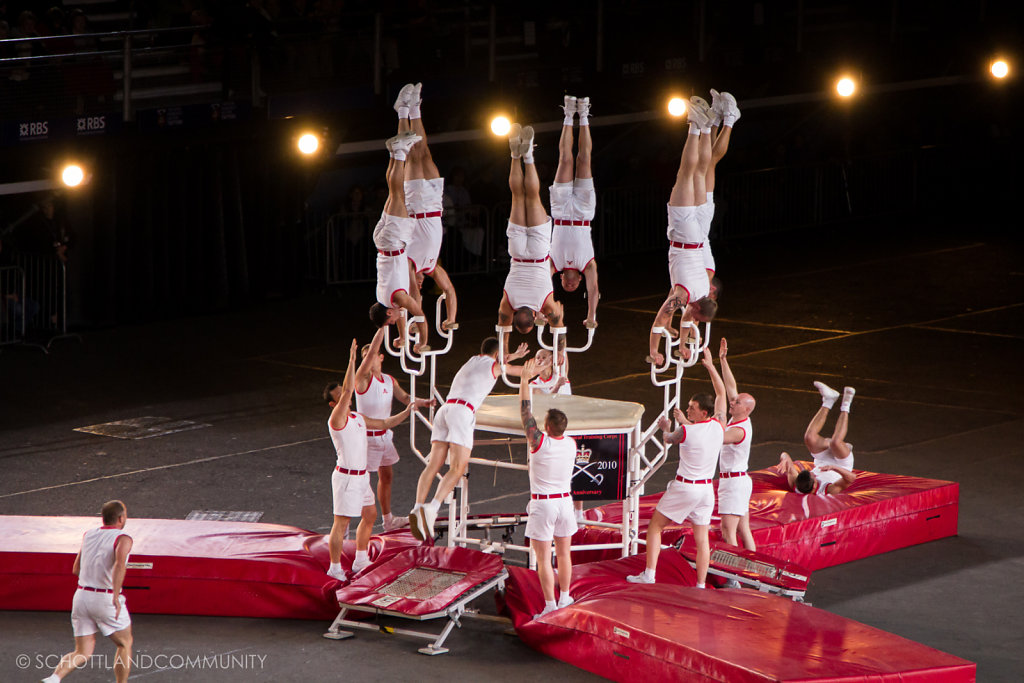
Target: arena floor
[[928, 329]]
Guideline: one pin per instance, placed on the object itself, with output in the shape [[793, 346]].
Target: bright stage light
[[999, 68], [677, 106], [500, 126], [309, 143], [845, 86], [72, 175]]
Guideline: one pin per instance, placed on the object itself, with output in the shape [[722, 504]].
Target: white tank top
[[96, 567], [375, 402], [551, 464], [350, 442], [474, 381], [736, 456], [698, 452], [547, 385]]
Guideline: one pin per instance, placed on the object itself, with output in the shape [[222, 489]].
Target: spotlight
[[999, 68], [500, 125], [846, 86], [677, 106], [72, 175], [308, 143]]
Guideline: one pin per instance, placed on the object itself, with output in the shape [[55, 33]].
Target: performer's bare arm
[[848, 478], [365, 371], [517, 370], [731, 390], [593, 293], [533, 433], [451, 302], [121, 550], [673, 303], [408, 303], [77, 566], [721, 404], [403, 397], [505, 314], [339, 415], [789, 468], [391, 421], [552, 312]]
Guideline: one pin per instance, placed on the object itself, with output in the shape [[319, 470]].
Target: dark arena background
[[205, 279]]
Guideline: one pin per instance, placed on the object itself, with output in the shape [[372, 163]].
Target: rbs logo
[[88, 124], [26, 130]]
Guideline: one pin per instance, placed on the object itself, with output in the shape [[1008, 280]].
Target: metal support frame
[[454, 613]]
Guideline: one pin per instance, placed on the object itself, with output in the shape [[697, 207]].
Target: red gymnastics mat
[[876, 514], [672, 631], [234, 569]]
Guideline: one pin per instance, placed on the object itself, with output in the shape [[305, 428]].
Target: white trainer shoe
[[583, 106], [639, 578], [404, 96], [546, 610], [729, 108], [338, 574], [428, 515], [416, 96], [396, 523], [358, 566], [733, 583], [515, 140], [526, 145], [826, 391], [699, 111], [566, 601], [569, 105], [403, 141]]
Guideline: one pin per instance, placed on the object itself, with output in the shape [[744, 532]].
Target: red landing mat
[[669, 631], [878, 513], [235, 569]]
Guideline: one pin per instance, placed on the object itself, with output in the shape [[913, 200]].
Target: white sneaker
[[526, 144], [848, 394], [733, 583], [428, 515], [404, 141], [827, 392], [338, 574], [515, 139], [546, 610], [569, 105], [699, 111], [404, 96], [729, 108], [566, 602], [415, 97], [717, 102], [396, 523], [414, 525], [639, 578], [580, 517], [358, 566], [583, 106]]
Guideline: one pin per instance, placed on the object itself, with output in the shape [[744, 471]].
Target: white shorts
[[734, 495], [529, 243], [826, 457], [686, 270], [392, 233], [425, 196], [688, 502], [573, 201], [684, 224], [529, 284], [92, 611], [380, 451], [572, 247], [550, 518], [454, 423], [705, 213], [351, 494]]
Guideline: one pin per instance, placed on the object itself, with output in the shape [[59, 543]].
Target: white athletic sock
[[550, 605], [335, 566], [564, 600], [728, 120], [398, 155], [361, 556], [52, 678], [828, 402], [705, 131], [414, 111], [567, 121], [528, 157], [403, 112], [415, 507], [700, 585], [649, 573], [387, 518], [434, 505], [584, 119], [844, 407], [694, 128]]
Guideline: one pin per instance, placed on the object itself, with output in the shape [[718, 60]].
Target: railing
[[34, 293], [12, 305]]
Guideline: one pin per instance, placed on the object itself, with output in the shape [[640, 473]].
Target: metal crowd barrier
[[12, 305], [41, 303]]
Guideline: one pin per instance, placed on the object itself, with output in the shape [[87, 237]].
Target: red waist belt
[[730, 475], [95, 590], [375, 432], [545, 496], [460, 402], [686, 245], [391, 253], [530, 260], [354, 473], [429, 214], [693, 481], [560, 221]]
